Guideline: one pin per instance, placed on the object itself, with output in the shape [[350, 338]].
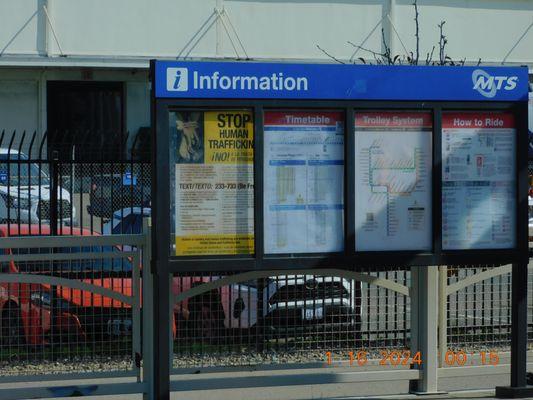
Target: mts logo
[[177, 79], [488, 85]]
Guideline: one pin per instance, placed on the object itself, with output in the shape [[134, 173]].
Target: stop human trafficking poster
[[213, 196]]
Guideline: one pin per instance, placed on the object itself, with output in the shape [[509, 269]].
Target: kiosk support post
[[519, 387], [161, 346], [519, 326], [147, 321], [424, 298]]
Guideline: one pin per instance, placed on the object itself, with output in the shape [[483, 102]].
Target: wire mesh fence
[[479, 316], [50, 322], [272, 320], [289, 319]]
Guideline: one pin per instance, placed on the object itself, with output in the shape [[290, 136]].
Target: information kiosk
[[265, 166]]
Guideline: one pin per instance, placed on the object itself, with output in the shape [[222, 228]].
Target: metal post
[[424, 326], [161, 322], [443, 314], [519, 387], [52, 211], [171, 321], [147, 321]]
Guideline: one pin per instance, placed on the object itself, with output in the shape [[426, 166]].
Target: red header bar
[[393, 119], [303, 118], [477, 120]]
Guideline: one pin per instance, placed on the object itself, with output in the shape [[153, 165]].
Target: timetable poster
[[214, 203], [478, 180], [304, 182], [393, 152]]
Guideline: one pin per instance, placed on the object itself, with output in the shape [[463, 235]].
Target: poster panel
[[213, 182], [393, 158], [478, 180], [304, 181]]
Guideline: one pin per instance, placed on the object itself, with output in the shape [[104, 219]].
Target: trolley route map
[[393, 196]]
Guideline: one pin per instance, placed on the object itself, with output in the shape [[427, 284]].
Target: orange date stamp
[[395, 358], [391, 358]]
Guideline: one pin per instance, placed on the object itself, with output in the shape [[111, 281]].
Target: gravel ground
[[73, 365], [244, 358]]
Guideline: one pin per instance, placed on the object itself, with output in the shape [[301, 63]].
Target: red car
[[25, 309]]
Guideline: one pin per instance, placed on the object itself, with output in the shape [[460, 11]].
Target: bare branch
[[442, 44], [417, 36], [329, 55], [429, 57]]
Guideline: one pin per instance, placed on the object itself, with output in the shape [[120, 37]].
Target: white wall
[[20, 96], [131, 28], [486, 29], [22, 27], [269, 29]]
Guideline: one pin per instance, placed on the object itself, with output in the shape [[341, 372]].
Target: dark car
[[110, 192]]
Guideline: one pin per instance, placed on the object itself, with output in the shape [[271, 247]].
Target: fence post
[[424, 303], [54, 174], [146, 311], [519, 387], [443, 314], [53, 205]]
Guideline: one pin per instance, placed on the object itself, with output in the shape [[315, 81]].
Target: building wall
[[43, 40], [493, 30]]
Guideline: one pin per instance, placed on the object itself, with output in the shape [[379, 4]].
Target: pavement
[[478, 386], [471, 394]]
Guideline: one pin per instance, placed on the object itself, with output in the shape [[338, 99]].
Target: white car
[[25, 192]]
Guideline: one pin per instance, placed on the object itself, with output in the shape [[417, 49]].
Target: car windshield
[[66, 266], [20, 173]]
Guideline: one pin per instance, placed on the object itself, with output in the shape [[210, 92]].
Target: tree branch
[[442, 44], [417, 36], [329, 55]]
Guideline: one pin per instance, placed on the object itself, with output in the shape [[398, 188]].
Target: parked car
[[25, 192], [25, 309], [111, 192], [290, 302]]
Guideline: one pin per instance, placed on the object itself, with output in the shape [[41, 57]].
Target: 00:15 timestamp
[[461, 358]]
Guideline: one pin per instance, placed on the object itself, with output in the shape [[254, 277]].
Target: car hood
[[35, 192], [83, 298]]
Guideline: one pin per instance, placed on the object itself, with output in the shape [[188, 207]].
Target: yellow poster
[[214, 182]]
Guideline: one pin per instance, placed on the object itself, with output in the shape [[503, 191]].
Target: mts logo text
[[488, 85]]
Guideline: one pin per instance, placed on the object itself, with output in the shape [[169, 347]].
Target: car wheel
[[12, 331]]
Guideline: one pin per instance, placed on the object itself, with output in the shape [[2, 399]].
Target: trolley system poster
[[478, 180], [303, 178], [213, 153], [393, 181]]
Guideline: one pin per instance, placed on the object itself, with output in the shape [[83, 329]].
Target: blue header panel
[[242, 80]]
